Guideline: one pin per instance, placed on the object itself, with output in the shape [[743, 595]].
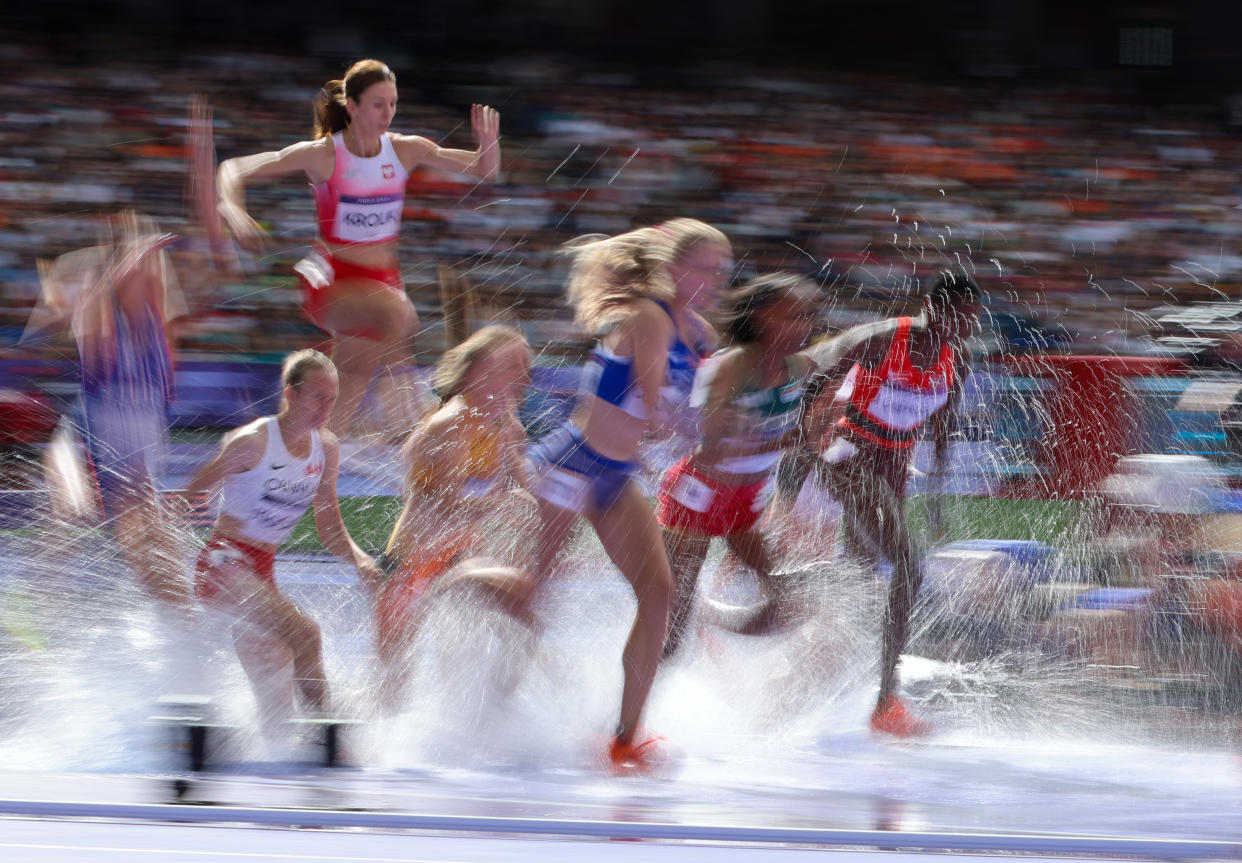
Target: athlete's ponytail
[[331, 115]]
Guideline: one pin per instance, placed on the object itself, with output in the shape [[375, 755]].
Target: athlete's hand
[[249, 234], [486, 123], [201, 171], [369, 571], [220, 256], [485, 120]]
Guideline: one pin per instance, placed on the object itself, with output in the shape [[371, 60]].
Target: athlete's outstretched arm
[[312, 158], [482, 162], [864, 344]]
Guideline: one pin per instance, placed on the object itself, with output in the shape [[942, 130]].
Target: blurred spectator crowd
[[1082, 207]]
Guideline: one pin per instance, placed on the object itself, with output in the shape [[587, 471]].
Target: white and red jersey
[[269, 499], [362, 201], [886, 405]]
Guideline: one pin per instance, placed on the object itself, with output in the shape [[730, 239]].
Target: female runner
[[358, 170], [116, 298], [119, 299], [463, 462], [750, 396], [267, 474], [895, 378], [636, 291]]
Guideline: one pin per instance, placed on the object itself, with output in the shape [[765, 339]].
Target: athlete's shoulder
[[730, 355], [648, 312], [407, 138], [411, 146], [256, 429], [316, 157], [449, 421], [703, 337], [725, 365], [444, 430], [243, 447]]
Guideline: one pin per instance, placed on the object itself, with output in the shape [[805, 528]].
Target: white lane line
[[168, 852], [1164, 849]]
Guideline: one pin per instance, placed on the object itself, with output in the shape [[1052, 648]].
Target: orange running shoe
[[637, 756], [892, 716]]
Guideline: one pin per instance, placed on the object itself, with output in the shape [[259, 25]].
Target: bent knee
[[403, 321], [393, 322]]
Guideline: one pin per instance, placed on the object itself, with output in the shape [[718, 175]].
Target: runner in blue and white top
[[639, 292]]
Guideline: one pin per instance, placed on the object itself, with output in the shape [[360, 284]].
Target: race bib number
[[904, 409], [225, 556], [368, 218], [692, 493], [840, 450], [564, 489], [764, 496]]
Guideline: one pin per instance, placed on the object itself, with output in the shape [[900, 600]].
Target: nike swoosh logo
[[278, 466]]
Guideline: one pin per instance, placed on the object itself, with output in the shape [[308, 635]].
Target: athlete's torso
[[136, 367], [610, 378], [760, 415], [886, 405], [479, 472], [269, 500], [433, 517], [361, 202]]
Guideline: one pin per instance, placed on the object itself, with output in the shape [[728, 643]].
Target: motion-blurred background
[[1080, 158]]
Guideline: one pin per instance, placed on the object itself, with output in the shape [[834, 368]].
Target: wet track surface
[[815, 776]]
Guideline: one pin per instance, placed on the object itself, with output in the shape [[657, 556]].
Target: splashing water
[[995, 656]]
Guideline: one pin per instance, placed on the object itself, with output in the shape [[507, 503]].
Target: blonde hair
[[611, 272], [455, 364], [689, 234], [296, 366]]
